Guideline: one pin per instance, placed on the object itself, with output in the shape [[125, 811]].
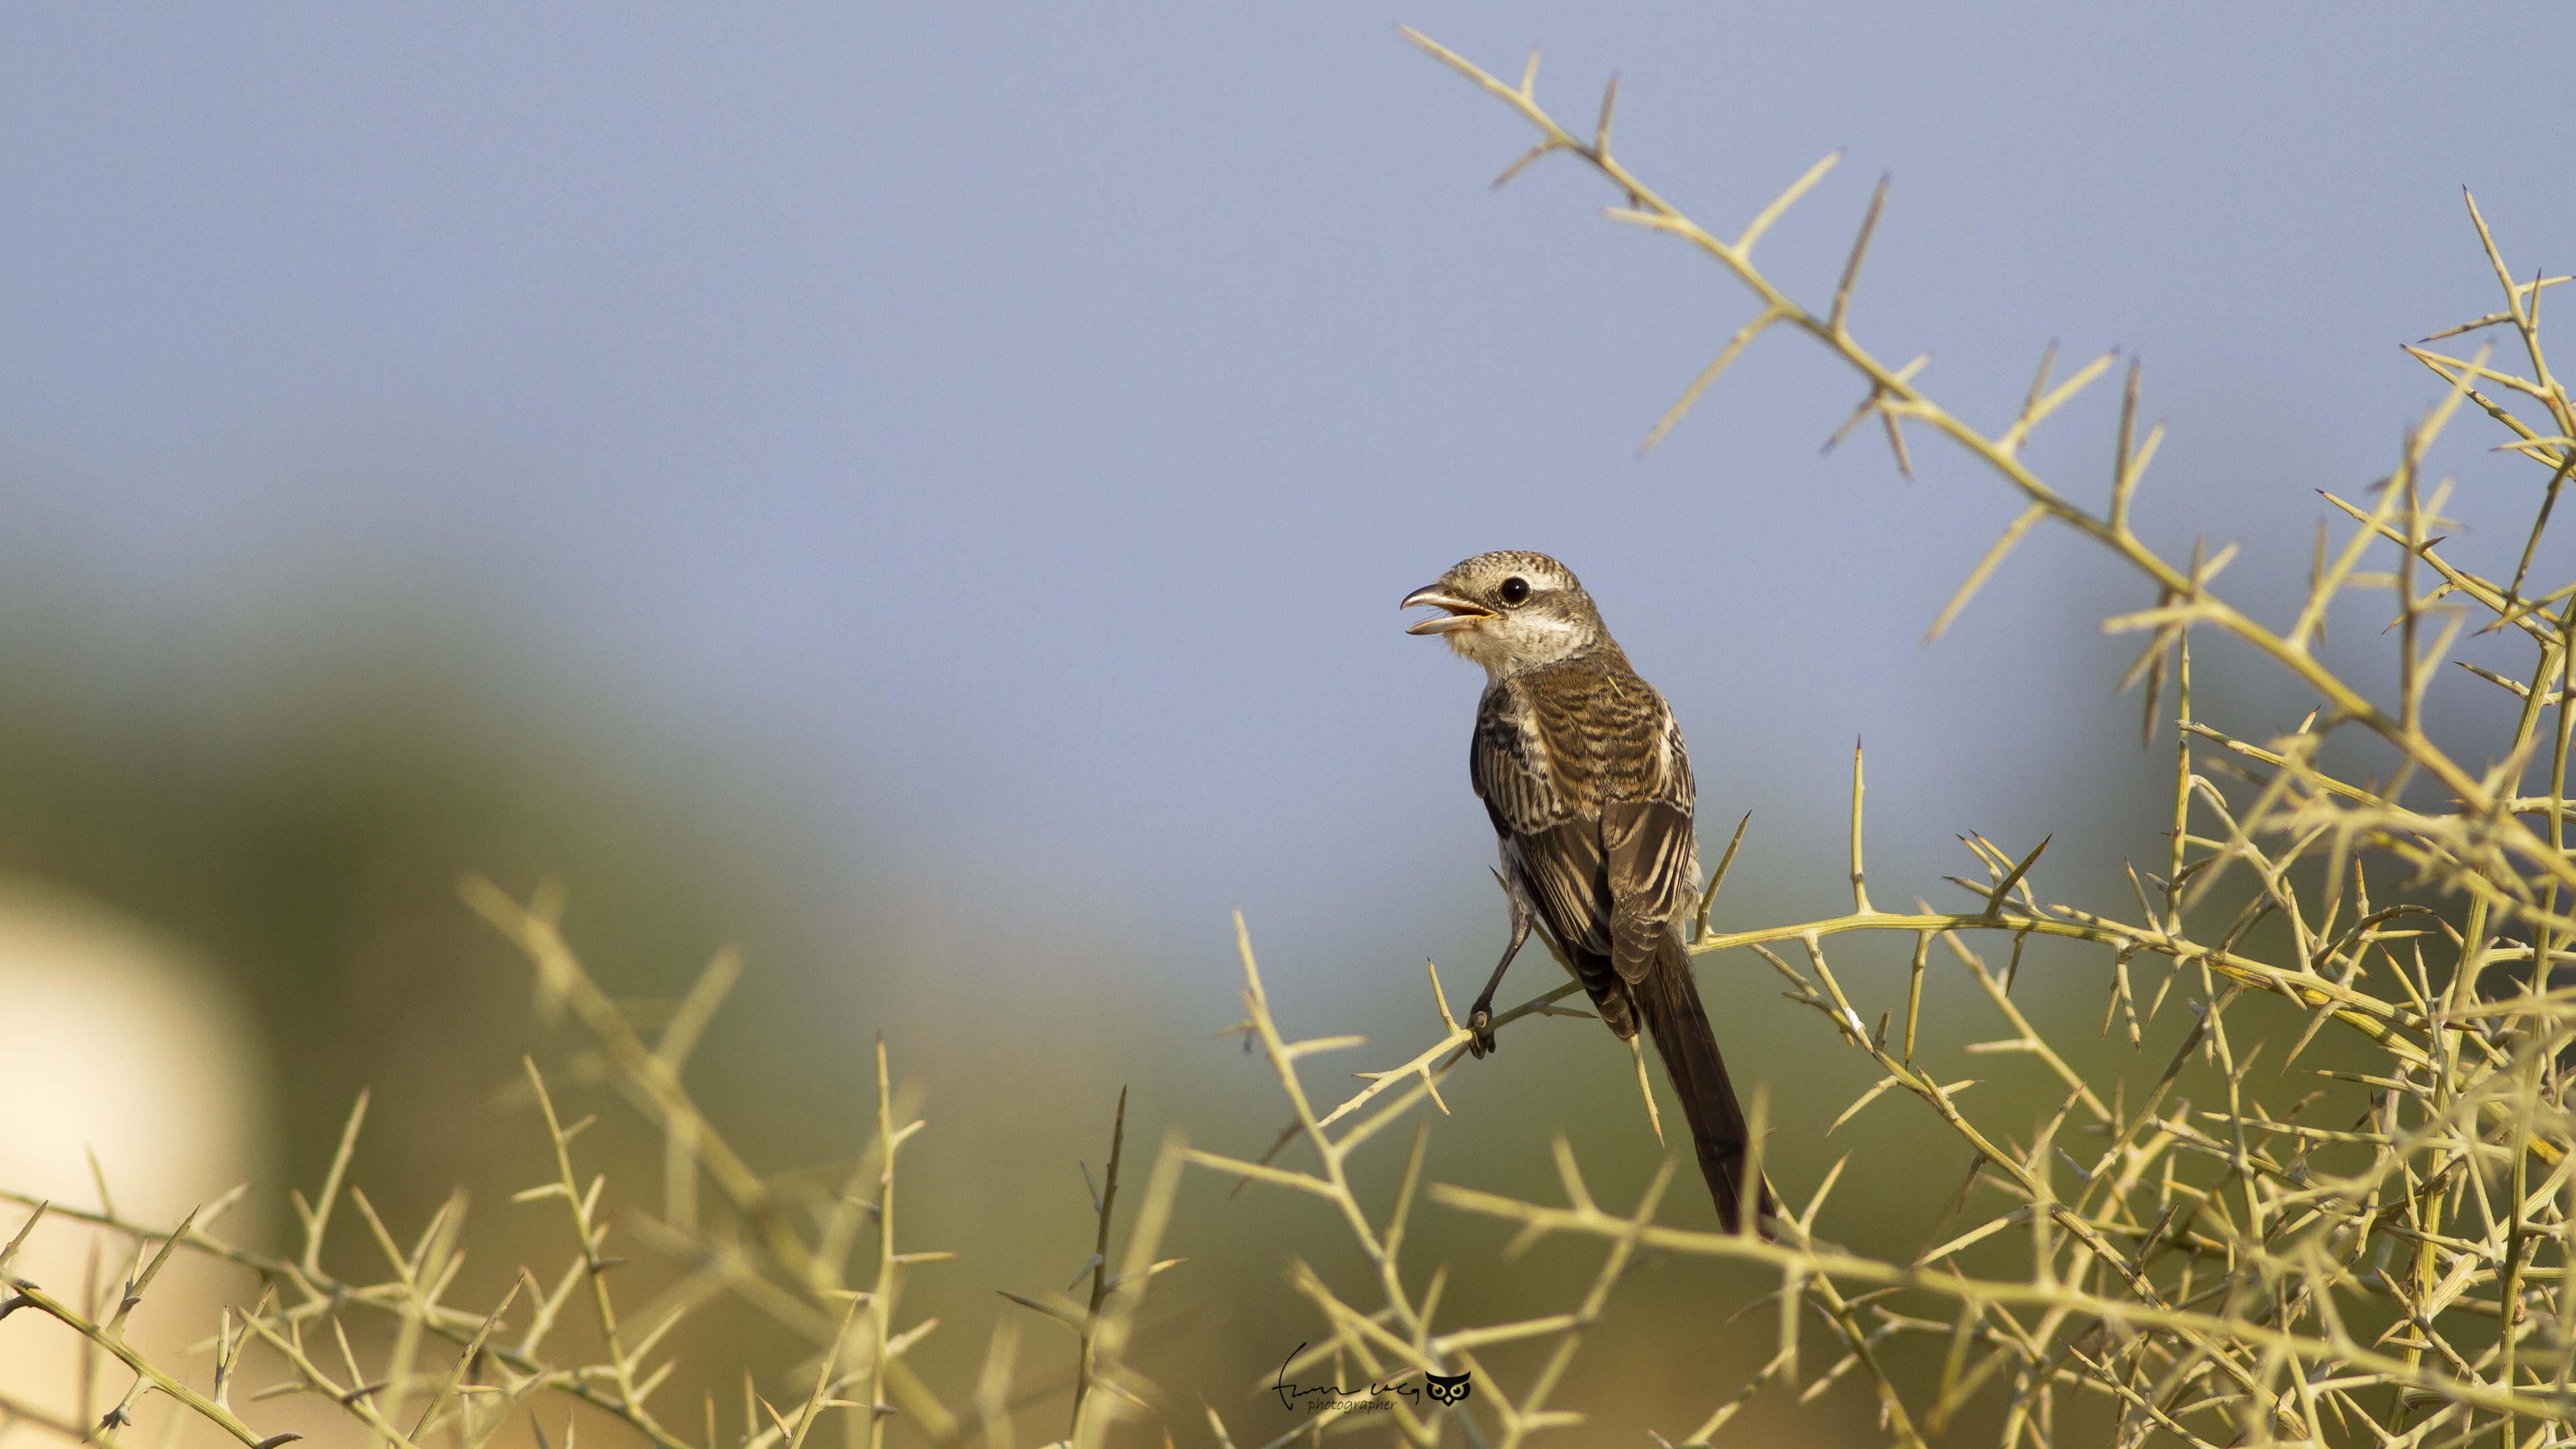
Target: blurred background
[[922, 494]]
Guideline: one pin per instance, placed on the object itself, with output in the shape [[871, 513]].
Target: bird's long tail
[[1668, 999]]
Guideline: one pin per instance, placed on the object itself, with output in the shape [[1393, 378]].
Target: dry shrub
[[2232, 1272]]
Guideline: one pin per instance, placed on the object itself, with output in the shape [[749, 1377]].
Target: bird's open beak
[[1461, 613]]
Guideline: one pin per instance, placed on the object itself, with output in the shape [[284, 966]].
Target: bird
[[1582, 770]]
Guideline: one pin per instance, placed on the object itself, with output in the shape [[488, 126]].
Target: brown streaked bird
[[1581, 767]]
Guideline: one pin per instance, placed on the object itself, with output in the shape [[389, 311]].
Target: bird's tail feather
[[1668, 999]]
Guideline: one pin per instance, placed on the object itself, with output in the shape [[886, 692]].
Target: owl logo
[[1449, 1388]]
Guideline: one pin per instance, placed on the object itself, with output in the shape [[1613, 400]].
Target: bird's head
[[1511, 611]]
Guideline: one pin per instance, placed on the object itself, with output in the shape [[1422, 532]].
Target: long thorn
[[1860, 249]]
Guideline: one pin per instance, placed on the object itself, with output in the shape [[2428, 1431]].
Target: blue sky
[[1015, 425]]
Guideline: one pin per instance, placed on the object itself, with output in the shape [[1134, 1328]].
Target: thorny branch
[[2219, 1273]]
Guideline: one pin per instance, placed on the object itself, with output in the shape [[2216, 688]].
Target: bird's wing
[[1561, 867], [1555, 852], [1653, 858]]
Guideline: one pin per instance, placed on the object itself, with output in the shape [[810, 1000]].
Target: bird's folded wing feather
[[1561, 867], [1652, 853], [1649, 846], [1555, 850]]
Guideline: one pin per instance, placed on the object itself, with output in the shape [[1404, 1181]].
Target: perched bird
[[1581, 767]]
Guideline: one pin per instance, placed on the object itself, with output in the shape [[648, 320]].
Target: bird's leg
[[1480, 1021]]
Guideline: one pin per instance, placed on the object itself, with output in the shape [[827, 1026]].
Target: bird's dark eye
[[1515, 590]]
